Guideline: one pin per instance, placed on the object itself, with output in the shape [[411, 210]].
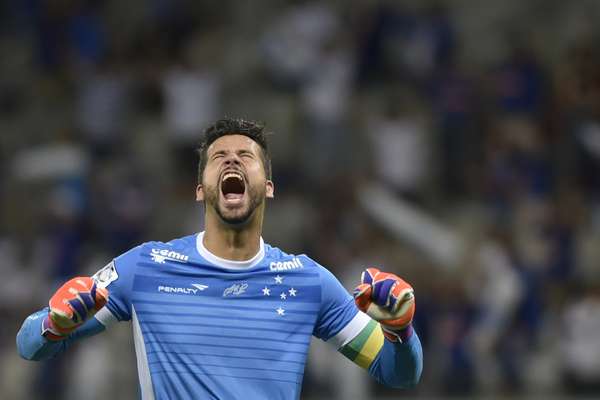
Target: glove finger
[[399, 295], [88, 301], [80, 312], [360, 290], [62, 314], [401, 292], [62, 322], [393, 300], [362, 296], [93, 290], [82, 284], [406, 316], [101, 298], [381, 291], [60, 307], [368, 275], [405, 304]]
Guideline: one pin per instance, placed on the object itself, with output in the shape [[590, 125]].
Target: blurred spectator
[[292, 44], [192, 98], [102, 103], [454, 104], [519, 83], [496, 288], [103, 100], [580, 347], [400, 139], [325, 97], [587, 139], [70, 34], [404, 45], [519, 167], [126, 204]]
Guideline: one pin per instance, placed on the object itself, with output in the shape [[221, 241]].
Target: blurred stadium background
[[456, 143]]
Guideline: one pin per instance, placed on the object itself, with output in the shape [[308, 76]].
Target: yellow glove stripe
[[363, 349]]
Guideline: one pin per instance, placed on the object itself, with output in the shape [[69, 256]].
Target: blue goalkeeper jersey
[[209, 328]]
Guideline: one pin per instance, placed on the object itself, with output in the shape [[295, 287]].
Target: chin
[[238, 219]]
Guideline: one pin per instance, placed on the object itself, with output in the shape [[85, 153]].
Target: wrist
[[50, 331], [395, 335]]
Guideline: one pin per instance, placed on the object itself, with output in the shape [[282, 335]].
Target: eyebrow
[[240, 151]]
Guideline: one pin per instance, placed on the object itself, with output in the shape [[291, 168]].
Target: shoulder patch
[[106, 275]]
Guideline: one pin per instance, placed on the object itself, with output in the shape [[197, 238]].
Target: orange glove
[[387, 299], [73, 303]]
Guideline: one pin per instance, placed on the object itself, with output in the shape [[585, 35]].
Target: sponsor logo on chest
[[182, 290], [294, 263], [160, 256]]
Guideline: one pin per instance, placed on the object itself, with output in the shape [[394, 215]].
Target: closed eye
[[218, 154], [246, 154]]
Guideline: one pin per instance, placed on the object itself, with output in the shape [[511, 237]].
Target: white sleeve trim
[[105, 317], [351, 330]]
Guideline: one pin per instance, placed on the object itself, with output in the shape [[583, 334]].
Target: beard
[[238, 216]]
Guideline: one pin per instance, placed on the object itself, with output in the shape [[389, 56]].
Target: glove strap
[[50, 332], [399, 335]]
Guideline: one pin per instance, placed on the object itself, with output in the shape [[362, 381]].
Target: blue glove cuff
[[402, 335]]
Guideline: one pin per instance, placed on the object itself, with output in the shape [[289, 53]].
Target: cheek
[[210, 177], [257, 171]]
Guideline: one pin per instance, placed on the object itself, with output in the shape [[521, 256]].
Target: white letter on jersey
[[286, 265]]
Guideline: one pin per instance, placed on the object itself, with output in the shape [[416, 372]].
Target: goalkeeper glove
[[389, 300], [73, 303]]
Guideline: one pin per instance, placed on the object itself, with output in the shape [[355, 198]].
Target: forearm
[[31, 345], [399, 364], [396, 364]]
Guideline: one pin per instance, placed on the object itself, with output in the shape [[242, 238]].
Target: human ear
[[199, 193]]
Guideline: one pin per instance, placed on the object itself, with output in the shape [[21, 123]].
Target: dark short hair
[[234, 126]]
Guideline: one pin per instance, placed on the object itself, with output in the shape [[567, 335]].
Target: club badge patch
[[106, 275]]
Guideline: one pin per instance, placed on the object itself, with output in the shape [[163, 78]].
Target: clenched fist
[[387, 299]]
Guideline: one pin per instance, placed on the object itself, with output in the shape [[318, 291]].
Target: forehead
[[233, 143]]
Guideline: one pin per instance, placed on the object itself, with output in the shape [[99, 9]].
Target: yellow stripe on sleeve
[[363, 349]]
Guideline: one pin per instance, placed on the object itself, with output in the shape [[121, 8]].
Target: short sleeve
[[117, 278], [337, 307]]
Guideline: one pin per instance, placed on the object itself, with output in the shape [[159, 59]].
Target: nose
[[232, 159]]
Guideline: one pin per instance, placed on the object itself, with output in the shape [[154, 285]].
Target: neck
[[232, 242]]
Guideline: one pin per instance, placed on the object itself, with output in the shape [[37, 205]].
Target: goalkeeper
[[221, 314]]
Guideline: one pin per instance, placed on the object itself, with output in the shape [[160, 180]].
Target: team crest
[[106, 275]]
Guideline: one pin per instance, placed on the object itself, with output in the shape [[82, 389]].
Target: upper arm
[[337, 308], [354, 333], [117, 278]]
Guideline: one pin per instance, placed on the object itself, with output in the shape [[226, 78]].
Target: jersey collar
[[229, 264]]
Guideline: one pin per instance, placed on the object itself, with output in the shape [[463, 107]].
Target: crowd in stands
[[485, 117]]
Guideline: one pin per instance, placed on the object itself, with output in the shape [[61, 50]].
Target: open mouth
[[233, 186]]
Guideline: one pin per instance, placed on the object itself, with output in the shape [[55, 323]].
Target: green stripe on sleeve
[[352, 349]]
